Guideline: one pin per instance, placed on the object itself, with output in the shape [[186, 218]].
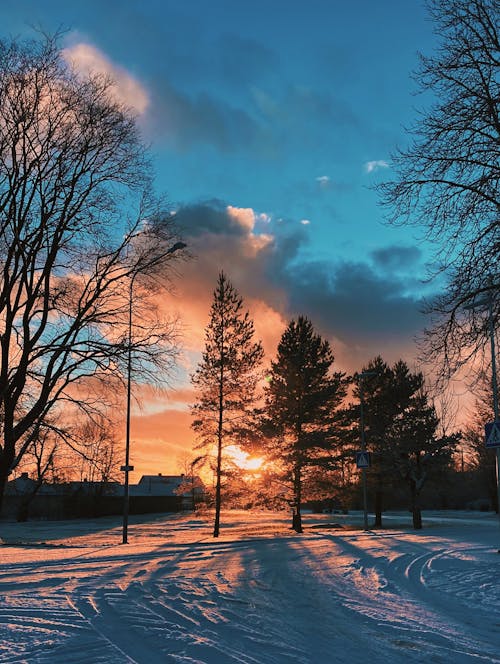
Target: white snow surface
[[71, 593]]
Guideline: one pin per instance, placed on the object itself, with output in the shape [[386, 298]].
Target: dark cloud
[[354, 302], [207, 217], [307, 103], [214, 217], [396, 258], [186, 120]]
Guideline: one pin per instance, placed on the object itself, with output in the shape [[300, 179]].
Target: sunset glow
[[244, 460]]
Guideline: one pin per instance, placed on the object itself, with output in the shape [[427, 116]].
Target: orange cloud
[[87, 59]]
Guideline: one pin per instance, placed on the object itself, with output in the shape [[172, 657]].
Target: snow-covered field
[[70, 592]]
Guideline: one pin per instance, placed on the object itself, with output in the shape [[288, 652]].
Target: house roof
[[163, 485]]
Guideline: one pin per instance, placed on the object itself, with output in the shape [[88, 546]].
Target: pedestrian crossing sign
[[363, 459], [492, 434]]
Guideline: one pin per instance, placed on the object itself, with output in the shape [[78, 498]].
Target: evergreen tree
[[226, 378], [416, 450], [386, 392], [302, 397], [401, 431]]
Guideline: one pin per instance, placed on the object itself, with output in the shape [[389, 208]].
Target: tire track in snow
[[114, 628], [223, 621], [37, 625], [401, 597]]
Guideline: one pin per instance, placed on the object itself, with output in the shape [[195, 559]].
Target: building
[[27, 498], [189, 489]]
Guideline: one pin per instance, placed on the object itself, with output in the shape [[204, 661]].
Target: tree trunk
[[219, 447], [297, 517], [7, 452], [4, 478], [379, 495], [415, 507], [217, 489]]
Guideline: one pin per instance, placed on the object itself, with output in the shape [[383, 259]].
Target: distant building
[[22, 485], [189, 489], [153, 493]]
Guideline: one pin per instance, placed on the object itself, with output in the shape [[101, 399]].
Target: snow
[[70, 592]]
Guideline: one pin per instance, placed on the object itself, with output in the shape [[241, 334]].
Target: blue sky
[[269, 122], [289, 108]]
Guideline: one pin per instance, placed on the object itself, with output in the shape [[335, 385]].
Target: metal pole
[[493, 359], [494, 385], [126, 467], [363, 449], [494, 382]]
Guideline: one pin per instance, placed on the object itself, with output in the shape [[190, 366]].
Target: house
[[188, 489], [25, 497]]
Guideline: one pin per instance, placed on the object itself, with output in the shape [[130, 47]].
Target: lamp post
[[488, 302], [126, 468], [362, 375]]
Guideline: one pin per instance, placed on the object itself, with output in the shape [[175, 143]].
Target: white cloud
[[372, 166], [244, 217], [323, 181], [127, 90]]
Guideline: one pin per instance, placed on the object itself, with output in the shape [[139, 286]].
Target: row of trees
[[305, 419]]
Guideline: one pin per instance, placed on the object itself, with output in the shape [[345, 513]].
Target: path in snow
[[256, 595]]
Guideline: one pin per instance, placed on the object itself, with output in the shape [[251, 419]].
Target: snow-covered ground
[[70, 592]]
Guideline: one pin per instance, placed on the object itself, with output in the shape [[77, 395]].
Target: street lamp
[[488, 303], [127, 467], [362, 375]]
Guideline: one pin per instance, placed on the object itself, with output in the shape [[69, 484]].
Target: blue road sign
[[492, 434], [363, 459]]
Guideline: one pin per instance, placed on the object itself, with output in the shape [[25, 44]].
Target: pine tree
[[302, 396], [386, 392], [401, 431], [416, 449], [226, 378]]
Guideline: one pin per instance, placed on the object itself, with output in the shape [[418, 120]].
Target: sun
[[244, 460]]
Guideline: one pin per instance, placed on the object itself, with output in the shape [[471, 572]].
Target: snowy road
[[71, 593]]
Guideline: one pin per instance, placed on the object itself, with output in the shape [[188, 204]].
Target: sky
[[269, 124]]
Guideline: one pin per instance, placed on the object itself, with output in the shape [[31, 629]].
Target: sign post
[[492, 434], [363, 459], [364, 454]]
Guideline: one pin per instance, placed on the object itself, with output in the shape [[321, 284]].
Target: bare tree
[[40, 458], [76, 222], [95, 449], [447, 180]]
